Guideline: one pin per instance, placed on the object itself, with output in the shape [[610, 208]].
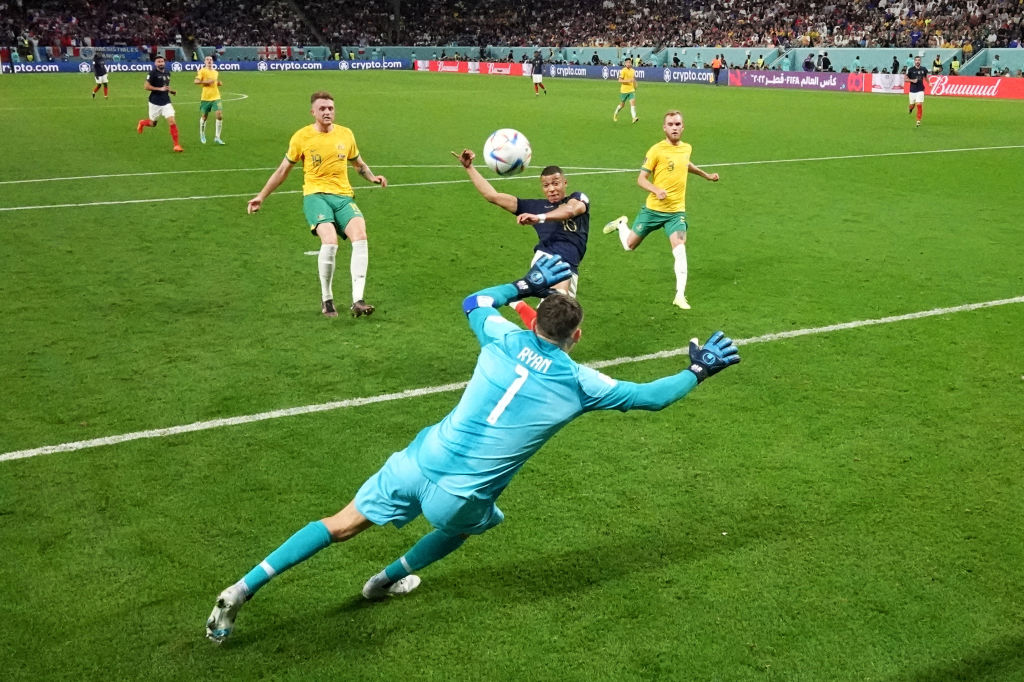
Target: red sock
[[174, 132], [920, 109], [147, 123], [104, 90], [527, 314], [535, 88], [96, 89]]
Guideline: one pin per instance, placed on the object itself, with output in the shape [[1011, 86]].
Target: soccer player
[[524, 389], [158, 84], [325, 150], [627, 90], [538, 72], [209, 79], [916, 76], [663, 174], [562, 222], [99, 72]]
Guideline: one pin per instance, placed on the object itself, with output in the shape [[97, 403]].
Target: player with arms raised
[[562, 222]]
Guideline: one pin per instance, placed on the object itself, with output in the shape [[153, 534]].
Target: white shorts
[[538, 78], [101, 80], [156, 110], [917, 97]]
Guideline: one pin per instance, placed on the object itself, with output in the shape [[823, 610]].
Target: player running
[[562, 222], [663, 174], [916, 76], [209, 79], [99, 72], [158, 84], [524, 389], [627, 90]]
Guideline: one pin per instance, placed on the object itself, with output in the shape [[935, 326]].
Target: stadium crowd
[[971, 24]]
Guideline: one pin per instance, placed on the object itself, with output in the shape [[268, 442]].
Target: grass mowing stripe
[[430, 390]]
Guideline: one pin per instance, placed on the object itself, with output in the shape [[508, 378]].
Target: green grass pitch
[[843, 505]]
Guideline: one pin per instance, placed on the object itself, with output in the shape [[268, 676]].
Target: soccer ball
[[507, 152]]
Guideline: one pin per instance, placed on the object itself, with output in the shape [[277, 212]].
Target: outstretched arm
[[276, 178], [506, 201]]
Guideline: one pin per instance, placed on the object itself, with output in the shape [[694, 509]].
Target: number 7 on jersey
[[510, 393]]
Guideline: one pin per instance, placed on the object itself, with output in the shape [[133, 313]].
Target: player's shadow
[[1001, 659]]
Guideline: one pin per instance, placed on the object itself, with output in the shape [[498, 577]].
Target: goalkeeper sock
[[296, 549], [325, 263], [679, 254], [526, 313], [431, 547], [219, 126], [357, 267]]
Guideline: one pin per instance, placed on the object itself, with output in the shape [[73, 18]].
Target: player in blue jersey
[[524, 389], [562, 222]]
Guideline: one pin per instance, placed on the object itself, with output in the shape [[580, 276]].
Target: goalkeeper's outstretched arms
[[715, 355], [545, 273]]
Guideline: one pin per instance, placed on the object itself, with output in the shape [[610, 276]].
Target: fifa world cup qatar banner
[[973, 86], [801, 80]]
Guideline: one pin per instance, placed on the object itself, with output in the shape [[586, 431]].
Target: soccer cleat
[[94, 95], [680, 302], [178, 148], [360, 308], [222, 619], [614, 225], [376, 588], [202, 138], [917, 124], [218, 140], [636, 119], [328, 309], [615, 118]]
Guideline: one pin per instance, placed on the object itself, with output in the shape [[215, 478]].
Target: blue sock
[[431, 547], [299, 547]]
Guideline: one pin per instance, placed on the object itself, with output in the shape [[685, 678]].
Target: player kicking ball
[[524, 389]]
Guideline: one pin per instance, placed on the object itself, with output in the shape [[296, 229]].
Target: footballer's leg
[[172, 124], [302, 545], [359, 263], [219, 126], [678, 242], [325, 266]]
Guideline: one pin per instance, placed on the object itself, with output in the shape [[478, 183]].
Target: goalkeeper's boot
[[328, 309], [361, 308], [614, 225], [680, 302], [222, 619], [378, 587]]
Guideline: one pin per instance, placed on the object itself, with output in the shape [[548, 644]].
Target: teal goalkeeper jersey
[[523, 390]]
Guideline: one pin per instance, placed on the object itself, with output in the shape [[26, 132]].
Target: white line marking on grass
[[580, 168], [430, 390]]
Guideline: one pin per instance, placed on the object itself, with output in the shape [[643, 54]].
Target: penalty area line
[[446, 388]]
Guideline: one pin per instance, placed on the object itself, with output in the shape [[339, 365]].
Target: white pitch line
[[582, 168], [445, 388], [250, 194]]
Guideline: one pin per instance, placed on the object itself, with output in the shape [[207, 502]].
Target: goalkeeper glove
[[546, 272], [714, 356]]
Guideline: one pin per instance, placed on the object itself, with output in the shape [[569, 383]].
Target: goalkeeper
[[523, 390]]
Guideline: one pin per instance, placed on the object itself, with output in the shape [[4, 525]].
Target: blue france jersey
[[565, 238], [523, 390]]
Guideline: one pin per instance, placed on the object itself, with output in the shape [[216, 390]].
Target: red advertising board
[[487, 68], [973, 86]]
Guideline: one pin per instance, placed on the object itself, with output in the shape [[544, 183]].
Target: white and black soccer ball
[[507, 152]]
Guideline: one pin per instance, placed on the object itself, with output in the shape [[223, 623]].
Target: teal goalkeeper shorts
[[399, 492], [648, 221], [329, 208]]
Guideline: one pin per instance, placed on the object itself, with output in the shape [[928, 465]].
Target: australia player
[[627, 90], [158, 84], [325, 150], [524, 389], [663, 175], [562, 221], [209, 100]]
